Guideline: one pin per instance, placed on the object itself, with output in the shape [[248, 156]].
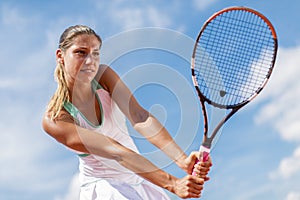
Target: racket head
[[233, 57]]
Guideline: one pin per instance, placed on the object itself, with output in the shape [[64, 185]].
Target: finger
[[198, 180], [196, 154], [209, 161], [192, 195], [205, 164], [203, 176], [201, 167], [200, 171], [193, 187], [195, 191]]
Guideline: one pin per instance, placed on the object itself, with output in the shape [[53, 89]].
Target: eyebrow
[[85, 48]]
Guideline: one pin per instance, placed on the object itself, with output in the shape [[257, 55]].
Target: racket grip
[[204, 152]]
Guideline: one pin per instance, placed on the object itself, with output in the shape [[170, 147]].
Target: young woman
[[87, 114]]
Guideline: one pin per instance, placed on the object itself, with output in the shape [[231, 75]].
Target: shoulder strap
[[96, 85], [71, 109]]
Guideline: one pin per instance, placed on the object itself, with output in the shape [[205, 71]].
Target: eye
[[80, 52], [96, 53]]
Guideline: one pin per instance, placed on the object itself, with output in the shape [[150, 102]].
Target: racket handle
[[204, 152]]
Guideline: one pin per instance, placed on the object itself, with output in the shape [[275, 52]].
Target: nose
[[89, 59], [92, 57]]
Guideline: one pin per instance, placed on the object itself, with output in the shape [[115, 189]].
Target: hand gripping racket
[[232, 61]]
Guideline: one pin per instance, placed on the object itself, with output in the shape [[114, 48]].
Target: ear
[[59, 56]]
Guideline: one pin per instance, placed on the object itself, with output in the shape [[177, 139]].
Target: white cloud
[[74, 188], [9, 83], [24, 165], [30, 162], [282, 110], [158, 18], [288, 167], [203, 4], [128, 16], [33, 162], [14, 18], [293, 196], [279, 109]]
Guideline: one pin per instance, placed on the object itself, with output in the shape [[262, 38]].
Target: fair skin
[[81, 62]]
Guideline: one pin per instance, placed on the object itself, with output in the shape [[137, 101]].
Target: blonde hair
[[62, 93]]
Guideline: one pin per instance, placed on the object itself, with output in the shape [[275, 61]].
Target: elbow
[[48, 126], [139, 117], [53, 129]]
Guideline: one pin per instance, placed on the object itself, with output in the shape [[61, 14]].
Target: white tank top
[[113, 125], [93, 170]]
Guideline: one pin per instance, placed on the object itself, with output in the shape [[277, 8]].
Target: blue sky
[[258, 154]]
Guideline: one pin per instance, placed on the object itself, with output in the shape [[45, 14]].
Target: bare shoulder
[[57, 128], [107, 77], [101, 71]]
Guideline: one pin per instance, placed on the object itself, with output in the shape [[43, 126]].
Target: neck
[[81, 93]]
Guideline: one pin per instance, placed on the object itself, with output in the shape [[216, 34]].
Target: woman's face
[[81, 60]]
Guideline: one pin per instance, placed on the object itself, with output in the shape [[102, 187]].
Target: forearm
[[148, 170], [157, 134], [88, 141], [106, 147]]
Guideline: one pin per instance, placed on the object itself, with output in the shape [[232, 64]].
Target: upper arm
[[80, 139], [121, 94], [63, 129]]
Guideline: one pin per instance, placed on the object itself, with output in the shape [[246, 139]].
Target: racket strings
[[233, 57]]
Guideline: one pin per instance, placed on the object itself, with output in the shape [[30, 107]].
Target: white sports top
[[94, 168]]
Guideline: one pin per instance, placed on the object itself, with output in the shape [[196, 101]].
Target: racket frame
[[207, 141]]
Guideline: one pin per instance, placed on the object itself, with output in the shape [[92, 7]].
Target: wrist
[[181, 161], [170, 185]]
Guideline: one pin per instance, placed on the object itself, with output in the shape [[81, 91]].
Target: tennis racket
[[232, 61]]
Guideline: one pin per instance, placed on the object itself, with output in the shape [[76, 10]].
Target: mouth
[[87, 70]]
